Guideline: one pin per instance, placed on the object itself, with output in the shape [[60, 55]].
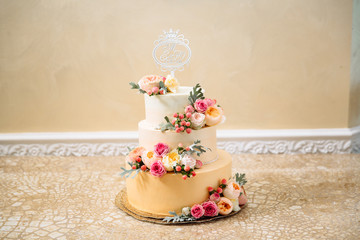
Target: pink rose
[[243, 197], [148, 82], [189, 109], [200, 105], [157, 169], [188, 160], [210, 209], [213, 115], [197, 211], [198, 164], [134, 154], [197, 120], [210, 102], [215, 197], [161, 149]]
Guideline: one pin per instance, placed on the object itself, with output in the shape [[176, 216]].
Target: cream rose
[[187, 160], [235, 203], [232, 190], [171, 83], [213, 115], [149, 157], [170, 160], [148, 82], [197, 120]]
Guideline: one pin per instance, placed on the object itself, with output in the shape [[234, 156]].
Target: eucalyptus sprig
[[136, 86], [167, 125], [196, 93], [128, 172], [240, 179], [178, 218], [193, 148]]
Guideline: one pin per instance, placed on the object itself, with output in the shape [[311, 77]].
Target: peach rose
[[232, 190], [213, 115], [225, 206], [149, 157], [135, 153], [148, 82]]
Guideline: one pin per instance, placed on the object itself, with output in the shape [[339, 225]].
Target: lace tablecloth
[[291, 197]]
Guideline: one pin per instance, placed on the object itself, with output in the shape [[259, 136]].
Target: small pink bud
[[180, 145], [178, 130], [187, 149], [187, 168], [183, 123], [181, 128], [155, 90], [188, 124], [188, 130], [223, 181], [178, 168], [173, 122], [133, 167], [149, 92], [177, 125], [162, 92], [184, 177], [188, 115], [219, 190], [175, 115], [181, 116], [143, 167], [210, 189], [194, 174]]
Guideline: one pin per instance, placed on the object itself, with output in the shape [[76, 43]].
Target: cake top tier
[[174, 108]]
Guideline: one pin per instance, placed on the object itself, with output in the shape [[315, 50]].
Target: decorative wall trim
[[291, 141]]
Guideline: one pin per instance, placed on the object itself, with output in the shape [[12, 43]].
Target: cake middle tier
[[148, 137]]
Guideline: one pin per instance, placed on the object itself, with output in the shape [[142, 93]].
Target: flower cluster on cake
[[177, 142]]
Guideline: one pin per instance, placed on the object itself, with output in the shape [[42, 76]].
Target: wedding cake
[[177, 169]]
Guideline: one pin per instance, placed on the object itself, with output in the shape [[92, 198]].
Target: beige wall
[[354, 106], [65, 65]]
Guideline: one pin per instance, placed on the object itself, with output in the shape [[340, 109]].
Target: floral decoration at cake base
[[121, 202]]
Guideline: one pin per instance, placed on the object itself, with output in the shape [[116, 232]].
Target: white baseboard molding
[[284, 141]]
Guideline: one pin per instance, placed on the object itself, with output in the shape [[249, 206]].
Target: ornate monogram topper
[[172, 51]]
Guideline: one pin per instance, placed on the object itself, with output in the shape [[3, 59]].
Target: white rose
[[186, 211], [235, 204], [232, 190], [188, 161], [170, 160], [197, 120], [171, 83]]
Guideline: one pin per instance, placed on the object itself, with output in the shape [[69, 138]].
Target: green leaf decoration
[[127, 173], [240, 179], [163, 87], [136, 86], [178, 218], [195, 94], [167, 125], [195, 148]]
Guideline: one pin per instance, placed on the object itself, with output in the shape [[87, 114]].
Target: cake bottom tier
[[171, 193]]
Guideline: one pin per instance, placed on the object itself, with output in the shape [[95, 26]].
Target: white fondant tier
[[159, 106], [159, 195], [148, 137]]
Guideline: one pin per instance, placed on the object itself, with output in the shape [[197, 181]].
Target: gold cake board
[[121, 201]]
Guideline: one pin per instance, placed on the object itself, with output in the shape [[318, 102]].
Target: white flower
[[186, 211], [171, 83], [197, 120], [232, 190], [235, 204], [187, 160], [170, 160]]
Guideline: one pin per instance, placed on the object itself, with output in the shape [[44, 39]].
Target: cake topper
[[171, 51]]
